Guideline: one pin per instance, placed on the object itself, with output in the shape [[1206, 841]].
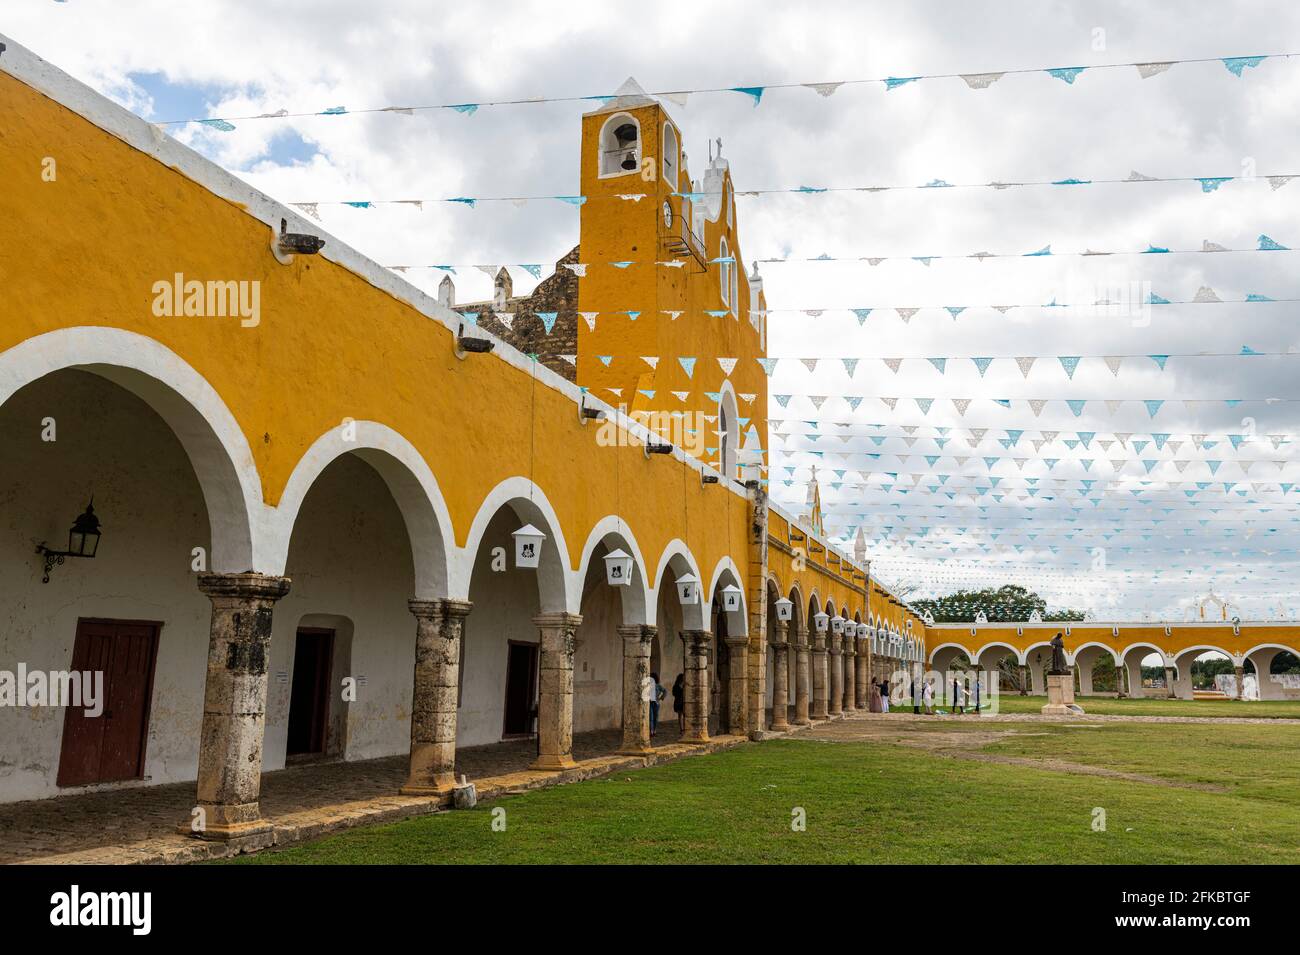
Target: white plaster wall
[[111, 444], [598, 657], [350, 562], [670, 659], [505, 604]]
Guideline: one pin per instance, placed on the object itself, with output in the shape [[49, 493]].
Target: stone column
[[850, 674], [234, 706], [1171, 692], [1024, 680], [861, 678], [820, 675], [637, 641], [738, 689], [695, 653], [781, 677], [1121, 674], [439, 628], [802, 678], [555, 702], [1240, 671], [835, 687]]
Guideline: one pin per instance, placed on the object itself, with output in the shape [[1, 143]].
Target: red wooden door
[[110, 746]]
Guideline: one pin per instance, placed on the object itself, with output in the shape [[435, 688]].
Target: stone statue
[[1058, 656]]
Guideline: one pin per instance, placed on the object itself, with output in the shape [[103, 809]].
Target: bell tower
[[670, 325]]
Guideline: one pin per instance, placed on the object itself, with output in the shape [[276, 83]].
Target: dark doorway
[[309, 697], [111, 746], [521, 689]]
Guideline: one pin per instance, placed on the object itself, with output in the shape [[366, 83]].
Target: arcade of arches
[[314, 548]]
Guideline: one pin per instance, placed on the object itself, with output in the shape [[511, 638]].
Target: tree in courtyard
[[1008, 604]]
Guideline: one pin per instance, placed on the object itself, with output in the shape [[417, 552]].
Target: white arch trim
[[996, 643], [409, 480], [1142, 644], [554, 588], [1197, 651], [215, 444], [693, 615], [1270, 646], [1097, 643], [738, 620], [635, 598], [944, 646]]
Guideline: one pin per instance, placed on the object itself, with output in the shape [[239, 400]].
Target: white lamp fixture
[[784, 609], [528, 546], [837, 625], [821, 621], [688, 589], [863, 631], [730, 598], [618, 568]]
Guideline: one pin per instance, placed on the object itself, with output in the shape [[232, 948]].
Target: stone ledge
[[175, 849]]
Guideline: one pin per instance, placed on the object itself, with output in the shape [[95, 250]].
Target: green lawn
[[1011, 702], [879, 802]]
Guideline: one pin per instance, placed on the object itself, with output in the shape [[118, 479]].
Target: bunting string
[[1264, 243], [1236, 65], [1207, 184]]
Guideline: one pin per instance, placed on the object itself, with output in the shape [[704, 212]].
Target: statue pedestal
[[1060, 696]]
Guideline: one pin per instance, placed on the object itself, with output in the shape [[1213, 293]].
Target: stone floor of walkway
[[303, 801]]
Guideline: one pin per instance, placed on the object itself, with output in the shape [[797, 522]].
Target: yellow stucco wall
[[1179, 639], [330, 346]]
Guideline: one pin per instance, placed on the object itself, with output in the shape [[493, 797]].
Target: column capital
[[425, 609], [247, 586], [737, 641], [782, 630], [780, 645], [558, 619], [639, 632], [453, 607]]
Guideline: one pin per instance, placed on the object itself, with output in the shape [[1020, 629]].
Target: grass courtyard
[[894, 791], [1011, 702]]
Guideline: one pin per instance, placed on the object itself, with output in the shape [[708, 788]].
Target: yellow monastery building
[[310, 539]]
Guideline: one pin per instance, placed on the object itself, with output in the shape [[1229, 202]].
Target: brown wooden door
[[521, 689], [111, 746], [309, 697]]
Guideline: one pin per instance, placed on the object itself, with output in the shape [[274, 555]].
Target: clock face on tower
[[668, 215]]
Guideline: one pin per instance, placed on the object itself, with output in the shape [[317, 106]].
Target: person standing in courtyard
[[916, 695], [873, 701], [958, 705], [884, 695], [679, 701], [928, 698], [657, 693]]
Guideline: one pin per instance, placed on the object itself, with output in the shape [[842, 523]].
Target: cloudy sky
[[1161, 522]]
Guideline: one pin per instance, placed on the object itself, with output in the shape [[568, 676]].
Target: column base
[[241, 825], [636, 751], [780, 727], [553, 764], [442, 786], [802, 722], [689, 737]]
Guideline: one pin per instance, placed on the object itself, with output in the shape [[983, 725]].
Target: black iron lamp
[[83, 541]]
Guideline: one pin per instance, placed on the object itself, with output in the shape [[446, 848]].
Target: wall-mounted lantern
[[784, 609], [83, 541], [688, 589], [618, 568], [837, 625], [528, 546], [731, 598], [821, 621], [863, 631]]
